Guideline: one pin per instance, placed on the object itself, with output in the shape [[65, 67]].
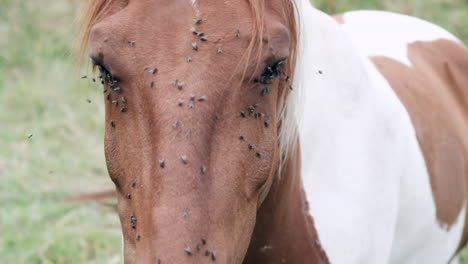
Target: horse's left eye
[[271, 72]]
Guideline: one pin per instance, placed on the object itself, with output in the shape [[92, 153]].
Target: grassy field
[[51, 135]]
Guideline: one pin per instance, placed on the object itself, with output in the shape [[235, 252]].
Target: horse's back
[[427, 67]]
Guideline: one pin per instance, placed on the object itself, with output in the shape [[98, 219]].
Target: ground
[[51, 131]]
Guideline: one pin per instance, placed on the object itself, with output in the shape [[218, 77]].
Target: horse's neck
[[284, 231]]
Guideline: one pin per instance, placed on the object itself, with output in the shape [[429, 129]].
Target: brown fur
[[178, 205], [435, 92]]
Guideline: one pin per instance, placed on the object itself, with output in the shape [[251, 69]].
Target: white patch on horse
[[418, 219], [374, 32], [363, 171]]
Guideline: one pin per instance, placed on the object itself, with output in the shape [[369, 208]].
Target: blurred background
[[51, 131]]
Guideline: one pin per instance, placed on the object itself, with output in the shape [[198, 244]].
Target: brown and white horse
[[225, 148]]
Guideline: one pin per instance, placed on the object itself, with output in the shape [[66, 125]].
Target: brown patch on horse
[[339, 18], [285, 231], [434, 90]]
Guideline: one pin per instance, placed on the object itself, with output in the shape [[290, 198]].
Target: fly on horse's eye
[[243, 114], [220, 50], [151, 84], [202, 98], [237, 33], [184, 159], [207, 253], [123, 109], [260, 154], [271, 72], [189, 251], [131, 42], [112, 123], [115, 102], [162, 163], [197, 21], [194, 46], [154, 70], [204, 38], [117, 89], [123, 100], [265, 91], [189, 59], [213, 255], [252, 146], [242, 137], [203, 170]]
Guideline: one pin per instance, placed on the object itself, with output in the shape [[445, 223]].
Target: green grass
[[40, 94]]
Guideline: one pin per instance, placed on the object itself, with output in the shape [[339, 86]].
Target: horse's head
[[194, 94]]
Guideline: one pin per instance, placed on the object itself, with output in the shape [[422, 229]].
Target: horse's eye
[[106, 75], [271, 72]]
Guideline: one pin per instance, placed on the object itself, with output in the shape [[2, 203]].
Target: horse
[[269, 132]]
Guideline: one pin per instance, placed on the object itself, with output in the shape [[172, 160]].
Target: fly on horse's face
[[194, 90]]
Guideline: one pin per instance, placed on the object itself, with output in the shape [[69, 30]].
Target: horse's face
[[192, 159]]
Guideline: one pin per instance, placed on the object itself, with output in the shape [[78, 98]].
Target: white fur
[[363, 171], [385, 33]]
